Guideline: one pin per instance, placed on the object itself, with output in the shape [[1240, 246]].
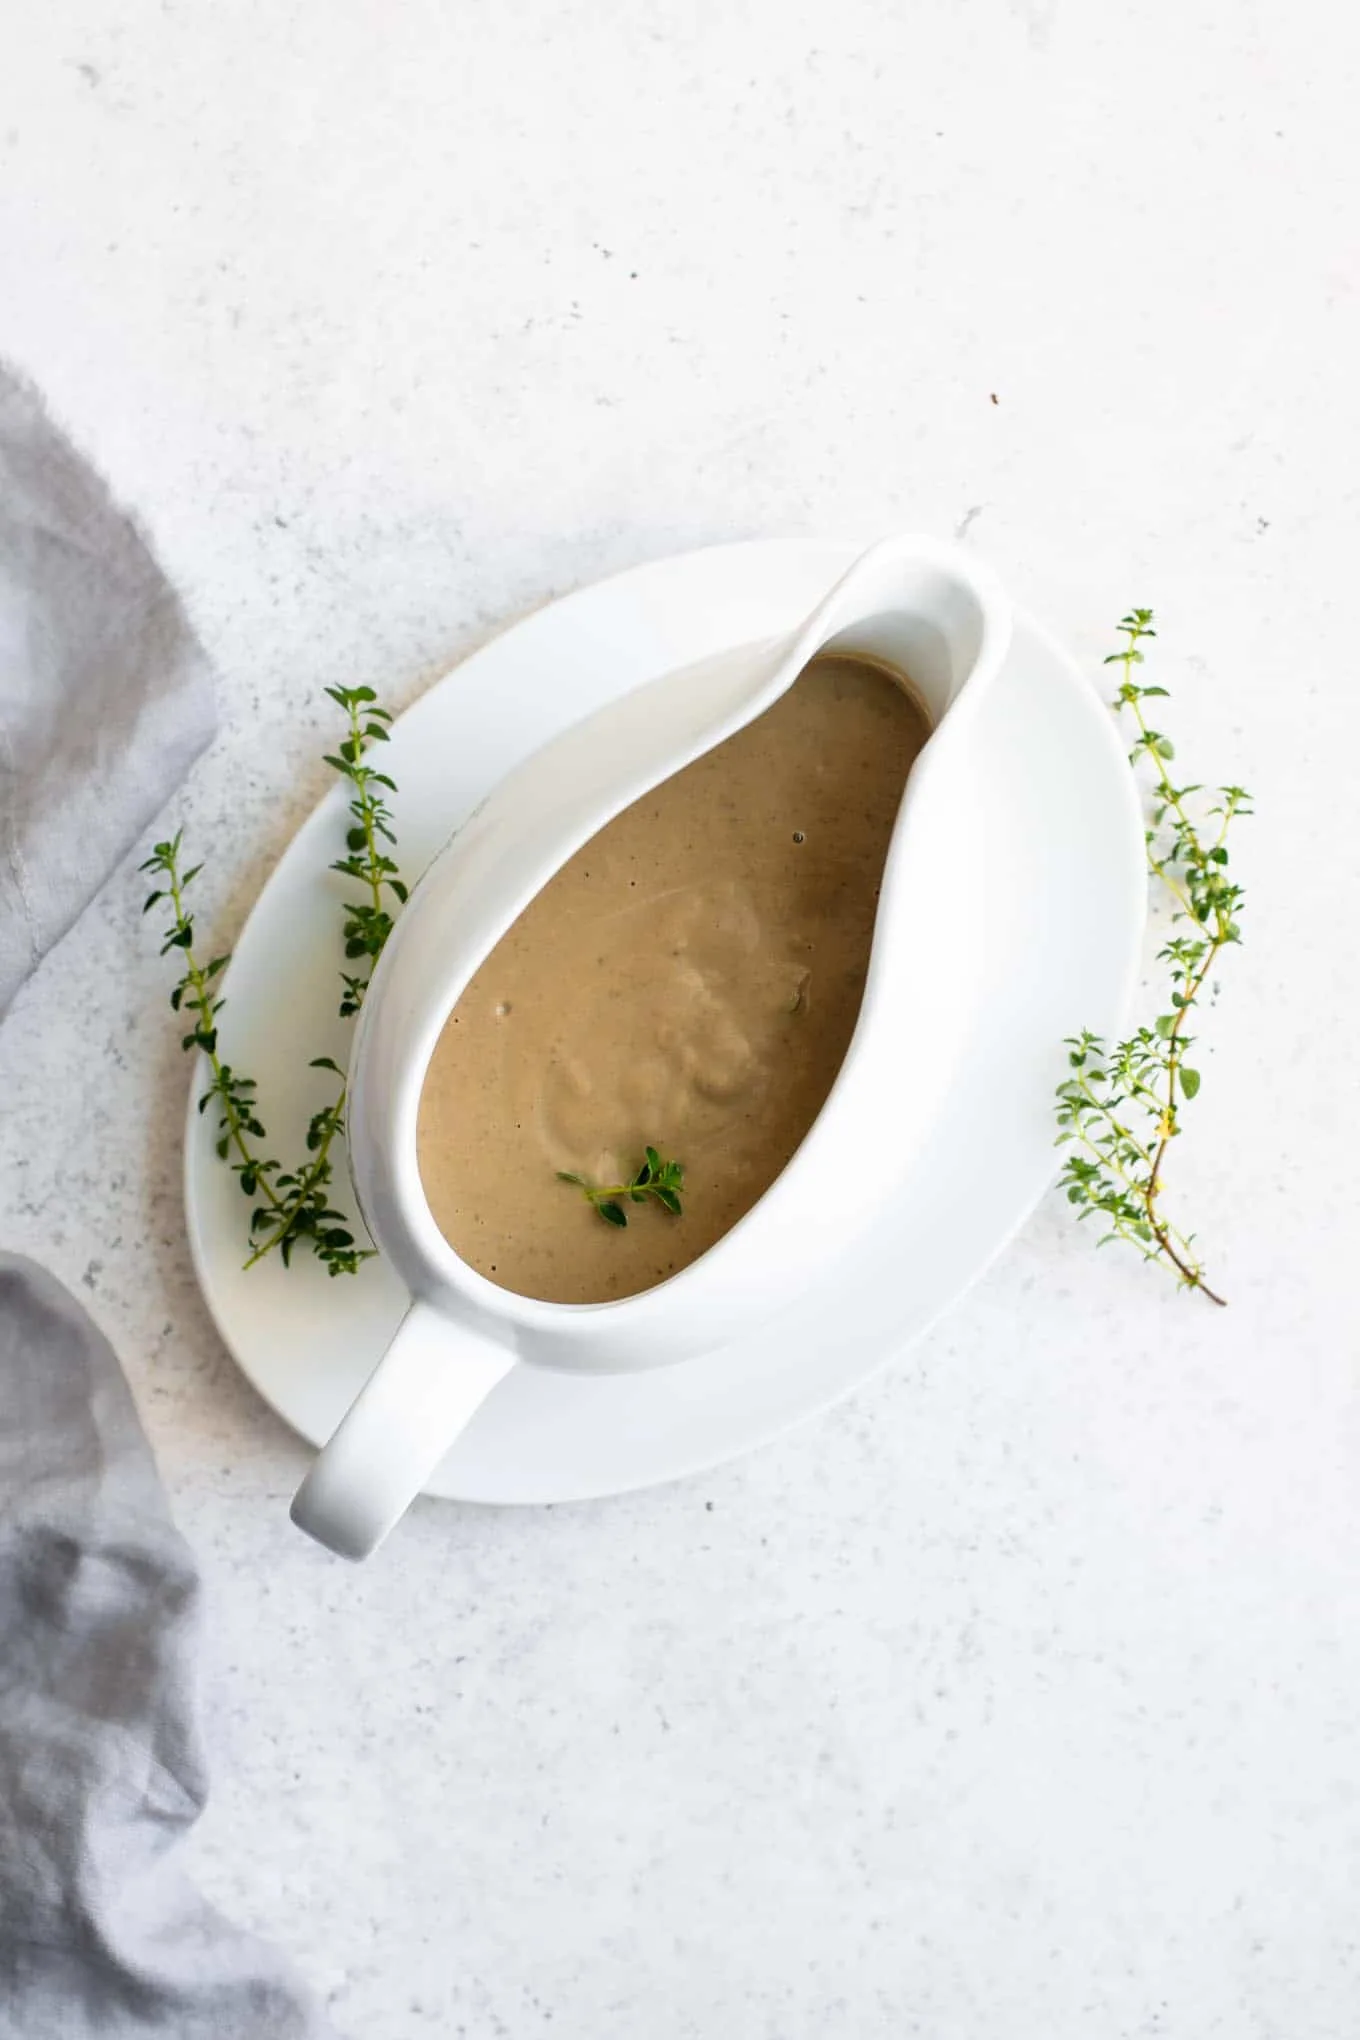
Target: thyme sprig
[[663, 1181], [291, 1206], [368, 923], [1120, 1108]]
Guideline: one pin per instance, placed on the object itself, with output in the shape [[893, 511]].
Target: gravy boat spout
[[920, 608]]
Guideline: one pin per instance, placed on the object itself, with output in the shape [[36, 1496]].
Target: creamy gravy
[[690, 978]]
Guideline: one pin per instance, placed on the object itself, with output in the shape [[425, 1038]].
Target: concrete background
[[1018, 1697]]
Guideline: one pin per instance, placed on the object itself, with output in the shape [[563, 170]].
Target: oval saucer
[[1064, 839]]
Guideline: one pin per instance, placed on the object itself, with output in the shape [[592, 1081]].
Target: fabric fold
[[102, 1771], [105, 692]]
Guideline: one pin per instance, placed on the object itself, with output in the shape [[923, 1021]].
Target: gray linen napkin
[[101, 1770], [104, 702], [105, 695]]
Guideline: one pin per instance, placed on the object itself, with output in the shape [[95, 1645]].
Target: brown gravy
[[690, 978]]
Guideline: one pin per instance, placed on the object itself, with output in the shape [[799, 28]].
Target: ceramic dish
[[1062, 839], [908, 604]]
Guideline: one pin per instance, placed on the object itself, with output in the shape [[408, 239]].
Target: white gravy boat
[[923, 608]]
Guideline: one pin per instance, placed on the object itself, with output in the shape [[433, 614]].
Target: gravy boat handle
[[429, 1385]]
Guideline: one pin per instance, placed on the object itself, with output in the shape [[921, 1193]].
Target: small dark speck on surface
[[92, 1274], [709, 1507], [1263, 524], [91, 74], [968, 520], [995, 398]]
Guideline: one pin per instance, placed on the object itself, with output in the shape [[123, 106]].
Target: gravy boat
[[922, 608]]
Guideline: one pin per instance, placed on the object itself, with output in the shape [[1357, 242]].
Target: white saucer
[[1064, 842]]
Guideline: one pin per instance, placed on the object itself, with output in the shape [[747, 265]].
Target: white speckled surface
[[1019, 1697]]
